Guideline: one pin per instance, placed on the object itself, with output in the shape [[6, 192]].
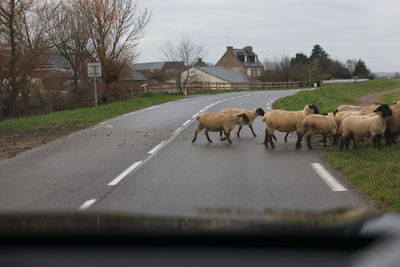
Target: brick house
[[242, 60]]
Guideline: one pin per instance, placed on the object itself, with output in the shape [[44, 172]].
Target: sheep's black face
[[335, 112], [260, 112], [385, 110], [245, 118], [314, 108]]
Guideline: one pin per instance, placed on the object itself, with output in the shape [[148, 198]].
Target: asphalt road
[[144, 162]]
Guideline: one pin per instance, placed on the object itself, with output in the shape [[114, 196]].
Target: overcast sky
[[366, 29]]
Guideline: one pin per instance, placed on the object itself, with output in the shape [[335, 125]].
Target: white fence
[[344, 81]]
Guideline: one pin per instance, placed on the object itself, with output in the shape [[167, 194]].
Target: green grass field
[[329, 97], [374, 172], [388, 99], [84, 116]]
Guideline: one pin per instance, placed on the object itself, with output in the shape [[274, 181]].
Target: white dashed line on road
[[124, 174], [87, 204], [156, 147], [177, 130], [186, 122], [195, 115], [327, 177]]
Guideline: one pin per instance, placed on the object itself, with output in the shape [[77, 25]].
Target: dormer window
[[241, 58]]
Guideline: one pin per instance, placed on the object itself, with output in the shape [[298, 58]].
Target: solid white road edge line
[[124, 174], [156, 147], [87, 204], [195, 115], [186, 122], [327, 177]]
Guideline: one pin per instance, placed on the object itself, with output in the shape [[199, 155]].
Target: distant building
[[242, 60], [200, 63], [133, 76], [216, 74], [164, 71]]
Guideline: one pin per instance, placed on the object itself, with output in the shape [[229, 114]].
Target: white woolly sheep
[[365, 126], [315, 124], [355, 108], [216, 122], [285, 121], [251, 114]]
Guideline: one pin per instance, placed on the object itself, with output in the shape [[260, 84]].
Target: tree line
[[318, 66], [78, 31]]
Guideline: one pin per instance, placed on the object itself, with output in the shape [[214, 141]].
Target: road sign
[[94, 70]]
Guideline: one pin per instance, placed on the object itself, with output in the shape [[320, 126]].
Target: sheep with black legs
[[251, 114], [365, 126], [285, 121], [216, 122], [393, 124], [340, 116], [315, 124]]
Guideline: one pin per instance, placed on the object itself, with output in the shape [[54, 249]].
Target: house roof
[[149, 66], [133, 76], [225, 74], [242, 52], [158, 65]]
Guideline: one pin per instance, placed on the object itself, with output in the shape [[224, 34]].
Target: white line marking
[[124, 174], [195, 115], [156, 147], [327, 177], [201, 110], [177, 130], [109, 126], [186, 122], [87, 204], [138, 164], [150, 108]]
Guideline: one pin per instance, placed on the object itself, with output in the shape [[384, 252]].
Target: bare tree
[[11, 16], [115, 28], [351, 65], [70, 36], [185, 51]]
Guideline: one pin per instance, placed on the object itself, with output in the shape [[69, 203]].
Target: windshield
[[199, 109]]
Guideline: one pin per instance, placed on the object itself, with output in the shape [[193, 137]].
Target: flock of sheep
[[346, 123]]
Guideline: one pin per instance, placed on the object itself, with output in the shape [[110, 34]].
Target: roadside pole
[[94, 71], [95, 90]]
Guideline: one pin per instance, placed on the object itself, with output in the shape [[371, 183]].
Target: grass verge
[[329, 97], [374, 172], [84, 116], [390, 98]]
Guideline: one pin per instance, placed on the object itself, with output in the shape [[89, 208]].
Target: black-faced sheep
[[251, 114], [285, 121], [216, 122], [393, 124], [365, 126], [315, 124]]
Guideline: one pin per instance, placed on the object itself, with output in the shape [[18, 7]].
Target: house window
[[251, 59], [241, 58], [248, 72]]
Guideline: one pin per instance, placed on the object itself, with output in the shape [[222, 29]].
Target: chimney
[[229, 48], [248, 48]]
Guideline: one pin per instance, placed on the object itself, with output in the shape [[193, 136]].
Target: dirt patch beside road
[[14, 143], [369, 99]]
